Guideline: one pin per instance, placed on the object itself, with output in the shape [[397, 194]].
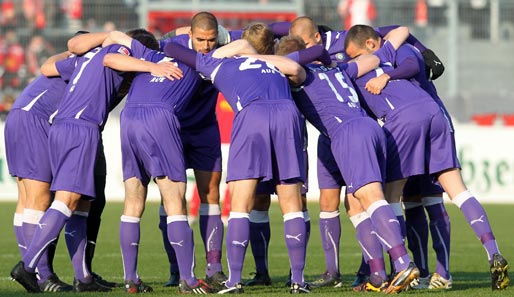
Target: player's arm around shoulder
[[49, 68], [398, 36], [237, 47], [80, 44], [122, 62]]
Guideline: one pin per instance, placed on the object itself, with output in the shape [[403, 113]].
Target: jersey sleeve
[[207, 65], [386, 53], [139, 50], [66, 67], [352, 69]]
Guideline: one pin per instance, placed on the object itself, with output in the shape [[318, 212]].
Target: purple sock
[[181, 239], [32, 218], [130, 234], [370, 245], [170, 252], [387, 229], [330, 231], [18, 233], [238, 236], [211, 230], [440, 231], [477, 218], [260, 234], [47, 231], [295, 236], [417, 236], [76, 238]]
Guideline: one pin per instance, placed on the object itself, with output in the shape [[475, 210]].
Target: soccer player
[[26, 137], [329, 102], [77, 123], [264, 147], [422, 192], [423, 138], [330, 228], [202, 151], [149, 152]]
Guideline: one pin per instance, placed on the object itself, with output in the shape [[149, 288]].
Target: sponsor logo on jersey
[[124, 51]]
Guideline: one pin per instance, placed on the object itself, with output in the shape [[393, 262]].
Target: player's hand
[[433, 64], [377, 84], [167, 69]]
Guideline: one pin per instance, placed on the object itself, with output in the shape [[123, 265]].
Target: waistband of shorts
[[79, 122], [271, 101], [415, 103], [149, 104]]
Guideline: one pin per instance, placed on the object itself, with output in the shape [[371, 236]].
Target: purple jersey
[[334, 44], [405, 51], [261, 80], [147, 88], [92, 104], [330, 98], [396, 94], [43, 94], [201, 110]]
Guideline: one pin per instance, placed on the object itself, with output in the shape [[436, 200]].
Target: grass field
[[469, 264]]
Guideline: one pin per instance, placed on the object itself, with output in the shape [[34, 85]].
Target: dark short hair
[[358, 34], [145, 37], [204, 20]]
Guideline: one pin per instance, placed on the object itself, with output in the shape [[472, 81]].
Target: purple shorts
[[267, 143], [359, 150], [151, 144], [424, 185], [72, 145], [329, 176], [202, 148], [419, 141], [26, 146]]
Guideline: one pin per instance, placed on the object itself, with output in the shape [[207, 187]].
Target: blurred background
[[474, 38]]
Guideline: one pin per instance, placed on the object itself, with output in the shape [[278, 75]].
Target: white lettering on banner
[[485, 154]]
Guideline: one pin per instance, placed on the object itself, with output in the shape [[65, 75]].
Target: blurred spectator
[[109, 26], [38, 51], [73, 10], [8, 14], [355, 12], [13, 57], [34, 13], [5, 105]]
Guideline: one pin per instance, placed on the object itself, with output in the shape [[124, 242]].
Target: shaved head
[[204, 20], [305, 28]]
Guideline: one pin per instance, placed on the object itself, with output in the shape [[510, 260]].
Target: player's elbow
[[109, 60]]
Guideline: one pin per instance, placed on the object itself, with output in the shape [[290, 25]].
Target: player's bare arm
[[237, 47], [294, 71], [398, 36], [82, 43], [48, 68], [126, 63]]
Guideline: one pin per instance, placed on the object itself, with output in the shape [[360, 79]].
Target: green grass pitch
[[469, 264]]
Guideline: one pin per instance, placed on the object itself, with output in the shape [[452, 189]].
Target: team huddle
[[384, 135]]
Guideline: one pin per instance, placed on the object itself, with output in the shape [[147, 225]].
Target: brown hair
[[289, 44], [260, 37]]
